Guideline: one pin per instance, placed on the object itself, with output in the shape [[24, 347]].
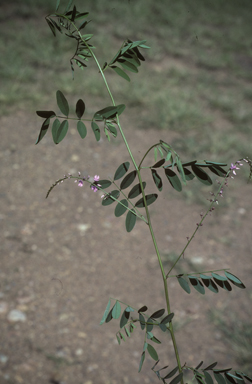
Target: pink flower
[[233, 167], [96, 178], [80, 183], [94, 186]]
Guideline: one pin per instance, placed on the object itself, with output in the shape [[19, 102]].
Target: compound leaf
[[62, 103], [130, 220], [121, 170], [81, 129]]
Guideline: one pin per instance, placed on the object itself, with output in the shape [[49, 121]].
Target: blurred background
[[63, 257]]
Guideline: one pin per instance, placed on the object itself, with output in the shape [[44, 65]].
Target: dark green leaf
[[109, 112], [105, 183], [127, 332], [80, 108], [51, 26], [120, 209], [96, 130], [211, 366], [128, 66], [55, 128], [149, 200], [188, 175], [62, 103], [109, 199], [218, 171], [201, 175], [62, 131], [73, 13], [128, 180], [167, 318], [171, 373], [142, 321], [143, 309], [209, 283], [121, 170], [197, 284], [159, 163], [116, 310], [247, 377], [152, 352], [118, 339], [230, 379], [141, 361], [219, 277], [124, 319], [149, 325], [80, 16], [157, 179], [43, 130], [234, 279], [129, 309], [46, 114], [158, 314], [130, 220], [222, 370], [136, 190], [177, 379], [219, 378], [240, 381], [121, 73], [163, 327], [122, 336], [82, 129], [111, 129], [68, 6], [109, 317], [155, 340], [184, 284], [208, 378], [57, 5], [199, 365], [105, 313], [173, 179], [214, 163]]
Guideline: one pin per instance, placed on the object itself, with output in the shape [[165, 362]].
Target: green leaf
[[218, 171], [163, 327], [201, 175], [141, 361], [142, 321], [124, 318], [68, 6], [208, 378], [177, 379], [109, 199], [120, 72], [209, 283], [181, 170], [43, 130], [211, 366], [81, 129], [231, 377], [155, 153], [51, 26], [96, 130], [61, 131], [105, 313], [129, 309], [127, 332], [80, 108], [171, 373], [109, 112], [136, 190], [120, 209], [219, 277], [128, 180], [118, 339], [128, 66], [121, 170], [184, 284], [149, 200], [105, 183], [46, 114], [199, 365], [188, 175], [173, 179], [116, 311], [109, 317], [55, 127], [158, 314], [197, 284], [219, 378], [130, 220], [149, 325], [155, 340], [234, 279], [112, 129], [122, 336], [62, 103], [152, 352], [57, 5], [167, 318], [157, 179]]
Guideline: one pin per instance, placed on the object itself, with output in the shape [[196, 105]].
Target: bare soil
[[63, 257]]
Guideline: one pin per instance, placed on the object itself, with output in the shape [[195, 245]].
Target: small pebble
[[16, 315]]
